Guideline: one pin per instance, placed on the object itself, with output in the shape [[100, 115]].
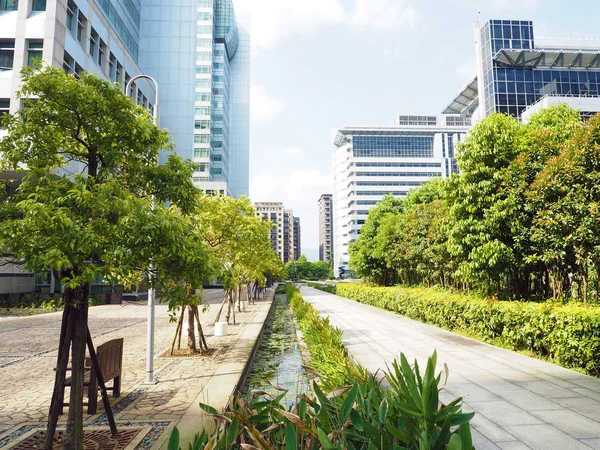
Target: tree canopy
[[520, 220]]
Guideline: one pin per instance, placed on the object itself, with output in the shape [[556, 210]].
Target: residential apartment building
[[370, 162], [297, 238], [517, 70], [288, 235], [282, 233], [325, 227]]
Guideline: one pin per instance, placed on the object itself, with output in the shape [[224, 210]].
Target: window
[[202, 124], [71, 16], [204, 16], [68, 63], [9, 5], [203, 111], [78, 70], [101, 52], [119, 72], [140, 97], [217, 130], [34, 52], [204, 43], [4, 108], [38, 5], [201, 152], [204, 83], [81, 21], [205, 29], [204, 56], [93, 43], [7, 54], [205, 4], [203, 97], [203, 69], [393, 146], [112, 67]]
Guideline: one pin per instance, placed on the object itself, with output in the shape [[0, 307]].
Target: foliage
[[302, 269], [330, 288], [362, 414], [521, 219], [327, 353], [569, 334]]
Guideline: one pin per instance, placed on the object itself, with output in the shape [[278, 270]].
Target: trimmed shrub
[[323, 287], [568, 335]]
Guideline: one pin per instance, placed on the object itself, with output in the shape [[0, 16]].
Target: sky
[[318, 65]]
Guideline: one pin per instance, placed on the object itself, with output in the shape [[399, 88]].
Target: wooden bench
[[110, 359]]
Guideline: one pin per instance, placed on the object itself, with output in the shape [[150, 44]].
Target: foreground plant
[[364, 415]]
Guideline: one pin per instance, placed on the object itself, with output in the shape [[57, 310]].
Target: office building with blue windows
[[370, 162], [517, 71]]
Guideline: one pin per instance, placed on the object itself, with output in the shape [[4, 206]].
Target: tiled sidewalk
[[28, 356], [520, 402]]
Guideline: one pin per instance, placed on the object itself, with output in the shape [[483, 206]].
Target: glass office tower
[[201, 59], [516, 70]]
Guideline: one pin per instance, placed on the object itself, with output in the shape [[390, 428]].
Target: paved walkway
[[520, 402], [28, 356]]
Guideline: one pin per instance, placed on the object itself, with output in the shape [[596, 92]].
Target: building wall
[[325, 227], [288, 235], [239, 111], [370, 162], [297, 238], [273, 211], [167, 53]]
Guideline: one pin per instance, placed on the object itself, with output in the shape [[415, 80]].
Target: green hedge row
[[568, 335], [323, 287], [328, 356]]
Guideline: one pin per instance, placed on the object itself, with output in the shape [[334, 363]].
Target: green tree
[[365, 261], [90, 155]]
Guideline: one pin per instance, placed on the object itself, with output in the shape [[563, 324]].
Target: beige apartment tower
[[282, 234], [325, 227]]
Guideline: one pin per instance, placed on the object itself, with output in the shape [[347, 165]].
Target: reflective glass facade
[[512, 88], [393, 146], [124, 16]]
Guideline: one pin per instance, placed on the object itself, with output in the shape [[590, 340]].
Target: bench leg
[[117, 386]]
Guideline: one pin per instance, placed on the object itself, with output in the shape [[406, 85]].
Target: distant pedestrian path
[[520, 402]]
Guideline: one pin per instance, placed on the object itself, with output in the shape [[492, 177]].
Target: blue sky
[[322, 64]]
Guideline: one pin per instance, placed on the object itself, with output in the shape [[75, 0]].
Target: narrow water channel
[[278, 358]]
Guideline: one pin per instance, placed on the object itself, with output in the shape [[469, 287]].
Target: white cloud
[[274, 19], [292, 153], [263, 107], [467, 70], [385, 14]]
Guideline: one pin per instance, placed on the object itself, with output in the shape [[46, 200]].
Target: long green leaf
[[174, 440]]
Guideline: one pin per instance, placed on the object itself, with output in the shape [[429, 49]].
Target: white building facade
[[370, 162], [282, 233]]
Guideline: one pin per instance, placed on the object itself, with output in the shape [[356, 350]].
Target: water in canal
[[278, 358]]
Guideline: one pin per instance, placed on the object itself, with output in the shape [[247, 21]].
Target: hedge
[[323, 287], [568, 335]]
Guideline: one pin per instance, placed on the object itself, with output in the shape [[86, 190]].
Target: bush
[[327, 353], [569, 335], [323, 287]]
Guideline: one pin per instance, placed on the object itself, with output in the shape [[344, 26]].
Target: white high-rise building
[[282, 233], [370, 162]]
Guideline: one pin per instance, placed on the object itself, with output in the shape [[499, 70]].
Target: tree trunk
[[201, 337], [177, 331], [73, 438], [59, 379], [191, 329]]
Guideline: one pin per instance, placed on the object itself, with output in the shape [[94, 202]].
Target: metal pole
[[151, 291]]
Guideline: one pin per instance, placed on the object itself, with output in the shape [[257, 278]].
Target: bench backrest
[[110, 356]]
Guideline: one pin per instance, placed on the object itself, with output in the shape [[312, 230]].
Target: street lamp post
[[151, 291]]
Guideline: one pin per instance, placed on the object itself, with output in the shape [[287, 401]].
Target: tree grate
[[92, 440]]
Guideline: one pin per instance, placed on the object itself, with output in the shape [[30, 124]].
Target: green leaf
[[174, 440], [323, 439], [291, 441]]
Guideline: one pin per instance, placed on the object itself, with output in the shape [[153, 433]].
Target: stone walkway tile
[[504, 413], [471, 392], [491, 430], [586, 406], [547, 389], [529, 401], [516, 376], [545, 437], [572, 423], [593, 443], [493, 383], [513, 445], [595, 395], [480, 442]]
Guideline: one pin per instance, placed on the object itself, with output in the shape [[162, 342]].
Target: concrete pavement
[[520, 402]]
